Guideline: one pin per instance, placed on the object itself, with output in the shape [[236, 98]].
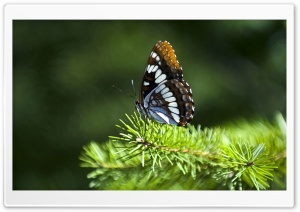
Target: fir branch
[[161, 156]]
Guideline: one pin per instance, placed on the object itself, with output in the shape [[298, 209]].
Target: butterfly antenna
[[128, 94]]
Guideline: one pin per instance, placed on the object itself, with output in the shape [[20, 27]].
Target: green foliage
[[149, 155]]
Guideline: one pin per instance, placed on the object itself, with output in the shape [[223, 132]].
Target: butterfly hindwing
[[171, 102]]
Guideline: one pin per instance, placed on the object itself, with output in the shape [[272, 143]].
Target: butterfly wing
[[162, 65], [171, 102], [164, 94]]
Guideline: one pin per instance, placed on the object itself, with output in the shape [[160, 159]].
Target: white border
[[146, 198]]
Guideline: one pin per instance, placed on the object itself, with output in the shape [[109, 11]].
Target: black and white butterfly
[[164, 95]]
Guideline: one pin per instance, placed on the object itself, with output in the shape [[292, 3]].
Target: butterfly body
[[164, 95]]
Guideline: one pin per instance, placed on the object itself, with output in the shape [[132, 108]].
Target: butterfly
[[164, 95]]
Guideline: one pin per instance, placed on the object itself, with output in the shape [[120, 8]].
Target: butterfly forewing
[[162, 63], [164, 95]]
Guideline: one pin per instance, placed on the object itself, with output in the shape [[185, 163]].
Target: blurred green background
[[63, 72]]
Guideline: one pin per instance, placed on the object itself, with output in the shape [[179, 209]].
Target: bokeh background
[[64, 72]]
